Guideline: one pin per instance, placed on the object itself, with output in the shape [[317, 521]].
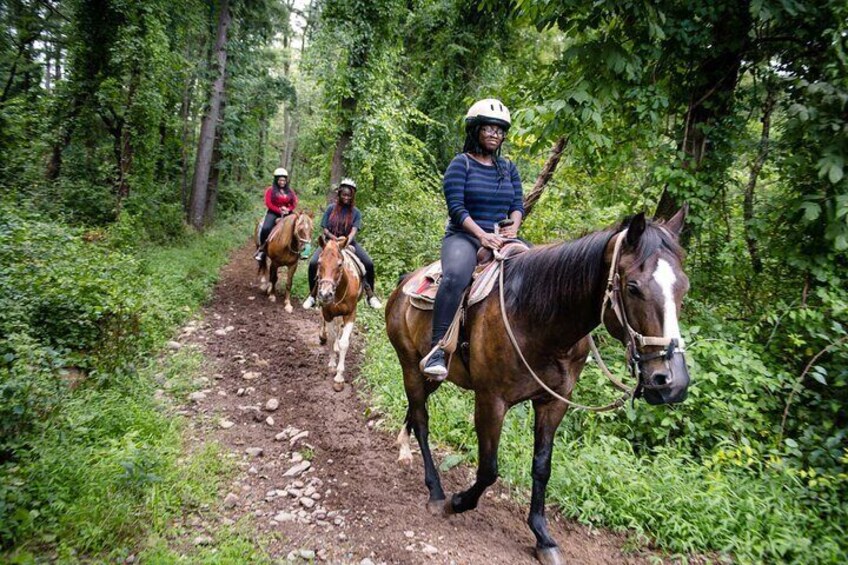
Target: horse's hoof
[[549, 556], [322, 340], [437, 507], [405, 457], [288, 309], [272, 298], [338, 387]]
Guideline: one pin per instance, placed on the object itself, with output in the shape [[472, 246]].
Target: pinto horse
[[339, 289], [628, 277], [285, 243]]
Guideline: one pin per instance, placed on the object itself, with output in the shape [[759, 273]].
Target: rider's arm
[[325, 221], [292, 200], [516, 209], [357, 224], [453, 186], [269, 202]]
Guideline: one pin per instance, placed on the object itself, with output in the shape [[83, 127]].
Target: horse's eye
[[634, 290]]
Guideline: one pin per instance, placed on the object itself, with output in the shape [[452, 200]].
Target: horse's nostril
[[661, 379]]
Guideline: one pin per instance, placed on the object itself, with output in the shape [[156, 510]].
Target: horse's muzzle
[[326, 294], [665, 381]]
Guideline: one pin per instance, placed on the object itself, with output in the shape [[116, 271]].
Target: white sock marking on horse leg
[[664, 275], [344, 343], [405, 455]]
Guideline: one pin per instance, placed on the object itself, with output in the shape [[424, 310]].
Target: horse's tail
[[402, 279]]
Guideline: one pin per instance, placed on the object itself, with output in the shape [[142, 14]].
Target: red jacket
[[280, 202]]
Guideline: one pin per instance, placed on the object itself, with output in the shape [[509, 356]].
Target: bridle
[[636, 342], [334, 283], [296, 238]]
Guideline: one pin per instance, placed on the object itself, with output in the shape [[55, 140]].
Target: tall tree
[[209, 125]]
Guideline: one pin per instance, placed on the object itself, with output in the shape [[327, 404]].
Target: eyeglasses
[[493, 131]]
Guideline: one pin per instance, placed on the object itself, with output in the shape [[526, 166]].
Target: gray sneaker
[[436, 367]]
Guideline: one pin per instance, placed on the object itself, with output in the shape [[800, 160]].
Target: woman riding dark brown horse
[[629, 278]]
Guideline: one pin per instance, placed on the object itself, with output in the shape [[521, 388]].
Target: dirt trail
[[354, 503]]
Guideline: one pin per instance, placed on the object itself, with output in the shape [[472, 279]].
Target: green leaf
[[811, 211], [450, 462]]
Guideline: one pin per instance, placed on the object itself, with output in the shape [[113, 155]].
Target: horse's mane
[[284, 230], [536, 281]]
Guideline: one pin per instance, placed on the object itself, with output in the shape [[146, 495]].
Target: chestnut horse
[[338, 293], [629, 277], [285, 243]]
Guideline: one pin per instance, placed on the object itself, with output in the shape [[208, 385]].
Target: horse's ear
[[675, 224], [635, 229], [342, 241], [321, 241]]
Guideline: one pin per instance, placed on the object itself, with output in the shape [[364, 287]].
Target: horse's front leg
[[322, 333], [332, 337], [417, 420], [344, 344], [289, 278], [272, 275], [489, 412], [548, 415]]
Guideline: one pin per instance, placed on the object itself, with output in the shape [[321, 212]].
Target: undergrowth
[[93, 466], [749, 505]]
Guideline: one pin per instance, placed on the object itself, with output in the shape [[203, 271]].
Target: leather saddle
[[423, 284]]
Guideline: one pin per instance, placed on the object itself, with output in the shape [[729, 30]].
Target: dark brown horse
[[554, 296], [285, 243], [338, 293]]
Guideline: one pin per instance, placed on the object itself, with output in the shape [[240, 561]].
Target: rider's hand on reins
[[491, 241]]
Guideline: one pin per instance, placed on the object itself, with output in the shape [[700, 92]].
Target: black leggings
[[363, 256], [459, 258], [267, 226]]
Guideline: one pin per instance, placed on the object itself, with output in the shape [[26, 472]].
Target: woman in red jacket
[[280, 200]]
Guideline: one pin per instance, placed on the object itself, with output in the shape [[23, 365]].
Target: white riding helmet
[[281, 172], [348, 182], [489, 111]]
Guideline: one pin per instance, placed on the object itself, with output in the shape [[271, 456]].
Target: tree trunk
[[545, 175], [711, 97], [337, 171], [209, 125], [54, 165], [214, 176], [289, 137], [756, 167]]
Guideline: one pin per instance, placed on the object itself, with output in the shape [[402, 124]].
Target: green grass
[[108, 472], [682, 505]]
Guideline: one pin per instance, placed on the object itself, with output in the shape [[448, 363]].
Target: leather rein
[[636, 341]]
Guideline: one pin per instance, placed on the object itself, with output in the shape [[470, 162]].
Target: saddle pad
[[352, 262], [424, 283]]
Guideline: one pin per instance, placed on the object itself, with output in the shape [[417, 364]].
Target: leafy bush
[[88, 461]]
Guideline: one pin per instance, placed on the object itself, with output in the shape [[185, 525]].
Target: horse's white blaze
[[665, 278]]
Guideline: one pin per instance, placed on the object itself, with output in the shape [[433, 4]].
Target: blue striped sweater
[[473, 189]]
